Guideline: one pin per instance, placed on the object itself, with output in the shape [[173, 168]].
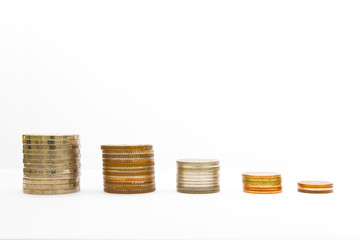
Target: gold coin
[[127, 152], [51, 152], [128, 156], [146, 173], [315, 191], [51, 192], [51, 186], [50, 142], [120, 191], [129, 182], [198, 192], [262, 189], [315, 184], [44, 157], [129, 169], [143, 178], [42, 182], [261, 175], [34, 171], [52, 176], [127, 147], [129, 187], [50, 147], [49, 137], [262, 192], [128, 165], [52, 166], [262, 186], [124, 161], [262, 181]]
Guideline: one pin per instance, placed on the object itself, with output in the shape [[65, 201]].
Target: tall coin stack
[[128, 169], [262, 182], [51, 164], [198, 176]]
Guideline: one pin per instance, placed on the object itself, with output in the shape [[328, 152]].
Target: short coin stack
[[51, 164], [315, 187], [262, 182], [198, 176], [128, 169]]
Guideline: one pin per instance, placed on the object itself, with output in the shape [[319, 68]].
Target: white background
[[261, 85]]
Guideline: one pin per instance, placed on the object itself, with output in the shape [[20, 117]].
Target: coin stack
[[198, 175], [51, 164], [262, 182], [315, 187], [128, 169]]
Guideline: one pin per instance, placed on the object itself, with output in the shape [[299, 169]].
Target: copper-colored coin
[[129, 182], [50, 142], [262, 192], [261, 175], [198, 192], [315, 191], [118, 191], [128, 152], [49, 137], [315, 184], [42, 182], [51, 152], [126, 147], [129, 187], [262, 186], [50, 192], [51, 186], [128, 156], [128, 161], [129, 165], [129, 173], [129, 178]]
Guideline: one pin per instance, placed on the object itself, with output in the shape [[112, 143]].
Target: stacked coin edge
[[262, 182], [318, 187]]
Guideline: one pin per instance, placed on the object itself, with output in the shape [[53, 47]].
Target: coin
[[128, 156], [51, 152], [129, 182], [262, 192], [198, 192], [127, 152], [42, 182], [129, 187], [49, 137], [50, 147], [315, 184], [146, 173], [51, 176], [50, 192], [268, 181], [124, 161], [33, 171], [261, 175], [49, 142], [143, 178], [120, 191], [197, 161], [129, 165], [44, 157], [262, 189], [315, 191], [126, 147], [52, 166], [262, 186], [51, 186]]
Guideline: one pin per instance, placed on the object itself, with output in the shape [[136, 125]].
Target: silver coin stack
[[198, 176], [51, 164]]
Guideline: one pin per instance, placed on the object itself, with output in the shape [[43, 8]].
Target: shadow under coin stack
[[128, 169], [262, 182], [315, 187], [198, 176], [51, 164]]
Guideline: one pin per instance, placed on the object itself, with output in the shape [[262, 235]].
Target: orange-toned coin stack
[[262, 182], [128, 169], [315, 187]]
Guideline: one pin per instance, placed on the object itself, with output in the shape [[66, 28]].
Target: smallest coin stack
[[198, 176], [262, 182], [128, 169], [315, 187]]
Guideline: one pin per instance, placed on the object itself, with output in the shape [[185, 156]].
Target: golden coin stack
[[262, 182], [51, 164], [128, 169], [315, 187], [198, 176]]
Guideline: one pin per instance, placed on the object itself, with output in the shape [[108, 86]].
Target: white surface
[[166, 214]]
